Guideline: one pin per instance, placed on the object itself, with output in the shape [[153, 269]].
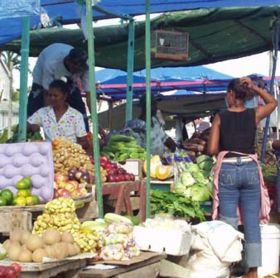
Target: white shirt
[[70, 126], [50, 66]]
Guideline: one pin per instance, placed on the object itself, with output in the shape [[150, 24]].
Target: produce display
[[158, 170], [26, 247], [68, 155], [197, 144], [23, 195], [175, 204], [73, 185], [122, 147], [12, 271], [59, 214], [114, 172], [30, 136], [194, 180], [116, 236], [269, 173], [34, 160]]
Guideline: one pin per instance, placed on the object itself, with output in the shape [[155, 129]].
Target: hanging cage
[[170, 45]]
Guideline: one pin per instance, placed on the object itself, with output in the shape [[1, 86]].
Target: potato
[[51, 236], [67, 237], [38, 255], [25, 256], [14, 252], [34, 242]]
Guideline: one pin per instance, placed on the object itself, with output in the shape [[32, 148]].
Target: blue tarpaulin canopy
[[69, 11], [192, 79]]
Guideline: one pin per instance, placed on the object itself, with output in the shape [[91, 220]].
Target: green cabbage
[[200, 193]]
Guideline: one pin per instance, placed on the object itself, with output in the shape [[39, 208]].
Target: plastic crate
[[171, 242]]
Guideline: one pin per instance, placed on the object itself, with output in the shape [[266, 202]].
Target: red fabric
[[265, 201]]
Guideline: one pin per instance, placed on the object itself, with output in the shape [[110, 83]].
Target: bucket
[[270, 234]]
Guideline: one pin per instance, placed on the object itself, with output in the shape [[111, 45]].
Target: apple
[[64, 193], [10, 272], [127, 177], [122, 177], [104, 158], [111, 178], [132, 177], [103, 164], [121, 171], [60, 177], [115, 165]]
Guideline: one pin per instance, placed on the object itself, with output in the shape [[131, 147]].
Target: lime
[[24, 183], [7, 194], [35, 200], [29, 201], [23, 193], [3, 202], [20, 201]]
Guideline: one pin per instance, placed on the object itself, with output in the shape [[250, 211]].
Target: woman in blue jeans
[[232, 138]]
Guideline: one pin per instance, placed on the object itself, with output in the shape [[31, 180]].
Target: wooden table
[[121, 192], [149, 268], [69, 268], [22, 217]]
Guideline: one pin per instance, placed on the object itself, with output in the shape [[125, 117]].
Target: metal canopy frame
[[23, 88]]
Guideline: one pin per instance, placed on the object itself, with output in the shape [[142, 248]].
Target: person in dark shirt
[[238, 185]]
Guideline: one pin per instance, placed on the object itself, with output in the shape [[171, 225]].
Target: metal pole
[[96, 152], [25, 41], [148, 104], [130, 69]]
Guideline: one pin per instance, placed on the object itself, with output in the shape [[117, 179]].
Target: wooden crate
[[135, 167], [22, 217], [15, 220]]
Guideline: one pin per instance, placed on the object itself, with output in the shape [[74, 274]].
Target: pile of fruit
[[26, 247], [69, 186], [12, 271], [23, 196], [114, 172], [60, 215], [68, 155], [122, 147]]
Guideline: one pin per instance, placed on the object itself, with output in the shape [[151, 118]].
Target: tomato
[[16, 267]]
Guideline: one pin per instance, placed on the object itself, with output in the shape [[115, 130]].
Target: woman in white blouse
[[58, 119]]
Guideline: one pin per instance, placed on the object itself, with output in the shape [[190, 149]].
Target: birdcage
[[170, 45]]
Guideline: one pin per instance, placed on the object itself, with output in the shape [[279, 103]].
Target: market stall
[[59, 234]]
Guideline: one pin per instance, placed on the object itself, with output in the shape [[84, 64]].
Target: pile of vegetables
[[59, 214], [194, 180], [26, 247], [30, 136], [158, 170], [269, 173], [122, 147], [115, 233], [175, 204], [197, 145]]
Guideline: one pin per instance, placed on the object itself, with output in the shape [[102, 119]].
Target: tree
[[12, 61]]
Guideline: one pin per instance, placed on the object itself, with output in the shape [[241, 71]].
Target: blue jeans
[[239, 186]]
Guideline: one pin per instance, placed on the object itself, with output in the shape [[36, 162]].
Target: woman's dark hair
[[61, 85], [239, 89]]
